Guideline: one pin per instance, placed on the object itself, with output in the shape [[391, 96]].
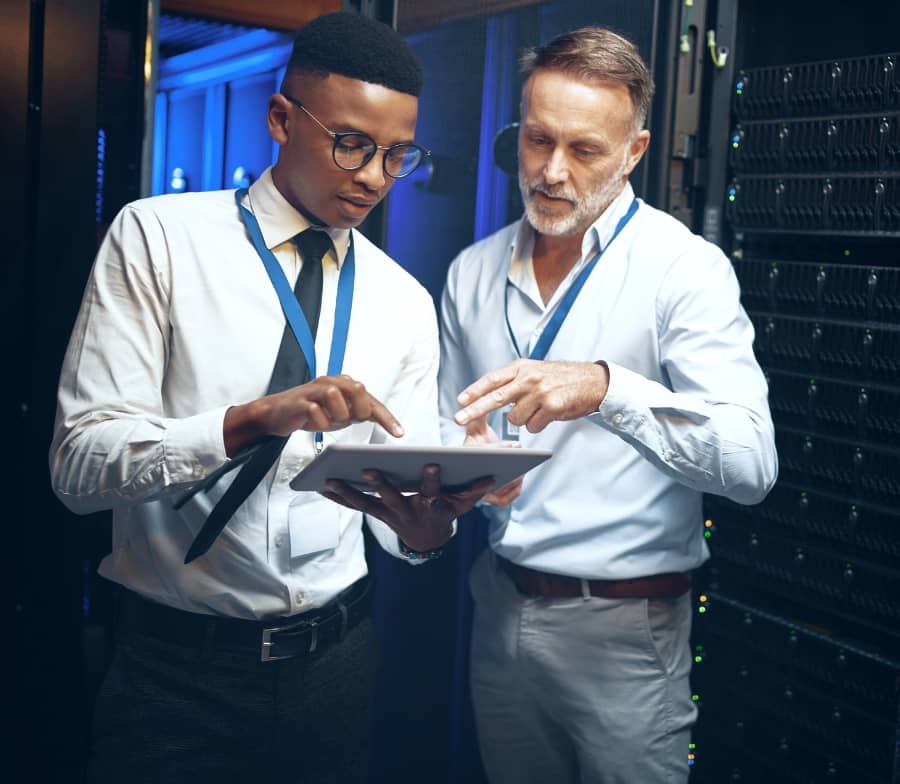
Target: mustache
[[553, 191]]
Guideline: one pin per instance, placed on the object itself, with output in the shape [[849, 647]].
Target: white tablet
[[402, 465]]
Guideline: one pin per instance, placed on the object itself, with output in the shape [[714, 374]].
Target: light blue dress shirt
[[686, 412]]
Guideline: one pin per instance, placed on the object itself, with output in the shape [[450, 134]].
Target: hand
[[539, 392], [326, 403], [480, 433], [423, 520]]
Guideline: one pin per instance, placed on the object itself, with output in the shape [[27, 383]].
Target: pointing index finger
[[486, 394], [382, 416]]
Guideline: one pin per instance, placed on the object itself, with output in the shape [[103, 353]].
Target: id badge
[[314, 524], [510, 431]]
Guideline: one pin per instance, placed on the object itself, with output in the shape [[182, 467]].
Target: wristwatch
[[418, 556]]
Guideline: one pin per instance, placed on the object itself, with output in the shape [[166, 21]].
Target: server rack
[[797, 626]]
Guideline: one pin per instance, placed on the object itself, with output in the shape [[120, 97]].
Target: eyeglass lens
[[353, 151]]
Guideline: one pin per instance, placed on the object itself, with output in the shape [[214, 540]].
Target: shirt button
[[666, 455], [279, 540], [617, 419], [299, 597]]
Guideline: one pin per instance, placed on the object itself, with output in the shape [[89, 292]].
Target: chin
[[552, 225]]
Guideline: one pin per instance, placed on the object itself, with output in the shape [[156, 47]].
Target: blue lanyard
[[565, 304], [292, 310]]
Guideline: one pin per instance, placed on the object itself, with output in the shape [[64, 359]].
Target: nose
[[372, 175], [556, 169]]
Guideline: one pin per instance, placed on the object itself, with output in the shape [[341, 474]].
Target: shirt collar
[[279, 222]]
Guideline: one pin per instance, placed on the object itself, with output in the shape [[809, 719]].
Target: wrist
[[243, 425], [419, 555], [604, 382]]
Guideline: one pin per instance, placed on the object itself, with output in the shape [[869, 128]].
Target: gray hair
[[596, 54]]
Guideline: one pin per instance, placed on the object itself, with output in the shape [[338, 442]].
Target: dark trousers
[[167, 714]]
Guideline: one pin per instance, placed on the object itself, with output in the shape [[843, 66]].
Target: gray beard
[[585, 210]]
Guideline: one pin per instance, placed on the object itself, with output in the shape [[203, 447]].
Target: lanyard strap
[[292, 310], [565, 304]]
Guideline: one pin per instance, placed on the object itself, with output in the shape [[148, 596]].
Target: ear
[[277, 118], [636, 150]]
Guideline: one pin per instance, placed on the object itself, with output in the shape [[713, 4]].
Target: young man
[[253, 656], [602, 329]]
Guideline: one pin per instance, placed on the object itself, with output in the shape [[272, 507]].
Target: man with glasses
[[244, 646]]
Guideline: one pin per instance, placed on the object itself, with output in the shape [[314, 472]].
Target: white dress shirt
[[179, 322], [686, 412]]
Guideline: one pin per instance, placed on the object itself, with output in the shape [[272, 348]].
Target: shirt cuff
[[194, 446]]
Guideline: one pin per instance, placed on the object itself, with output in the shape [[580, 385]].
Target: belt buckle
[[265, 653]]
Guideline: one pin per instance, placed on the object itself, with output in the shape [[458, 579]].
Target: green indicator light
[[692, 746], [698, 659], [695, 697], [846, 251], [731, 197], [701, 610], [707, 534]]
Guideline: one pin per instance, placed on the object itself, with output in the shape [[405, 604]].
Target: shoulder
[[377, 271], [664, 242], [183, 208], [485, 257]]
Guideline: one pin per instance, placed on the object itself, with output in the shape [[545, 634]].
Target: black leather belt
[[279, 638]]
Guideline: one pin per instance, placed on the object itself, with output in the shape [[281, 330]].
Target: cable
[[718, 54]]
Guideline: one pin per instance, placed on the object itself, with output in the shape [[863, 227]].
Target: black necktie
[[290, 370]]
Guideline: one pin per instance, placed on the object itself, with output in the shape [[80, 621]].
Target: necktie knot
[[313, 244]]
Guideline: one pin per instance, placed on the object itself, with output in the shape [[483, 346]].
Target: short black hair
[[358, 47]]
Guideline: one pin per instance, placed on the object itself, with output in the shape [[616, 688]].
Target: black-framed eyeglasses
[[353, 149]]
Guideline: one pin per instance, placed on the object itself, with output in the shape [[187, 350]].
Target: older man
[[602, 329]]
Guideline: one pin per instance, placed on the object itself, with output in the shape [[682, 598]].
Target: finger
[[505, 495], [523, 410], [357, 396], [508, 394], [347, 495], [474, 489], [338, 499], [487, 383], [389, 495], [487, 394], [382, 416], [317, 418], [334, 405], [477, 431], [538, 420], [364, 407], [430, 486]]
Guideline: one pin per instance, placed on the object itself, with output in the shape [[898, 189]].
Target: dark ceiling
[[179, 34]]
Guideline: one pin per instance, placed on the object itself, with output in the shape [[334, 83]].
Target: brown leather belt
[[531, 582]]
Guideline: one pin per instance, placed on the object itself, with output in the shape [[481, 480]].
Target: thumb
[[478, 431]]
